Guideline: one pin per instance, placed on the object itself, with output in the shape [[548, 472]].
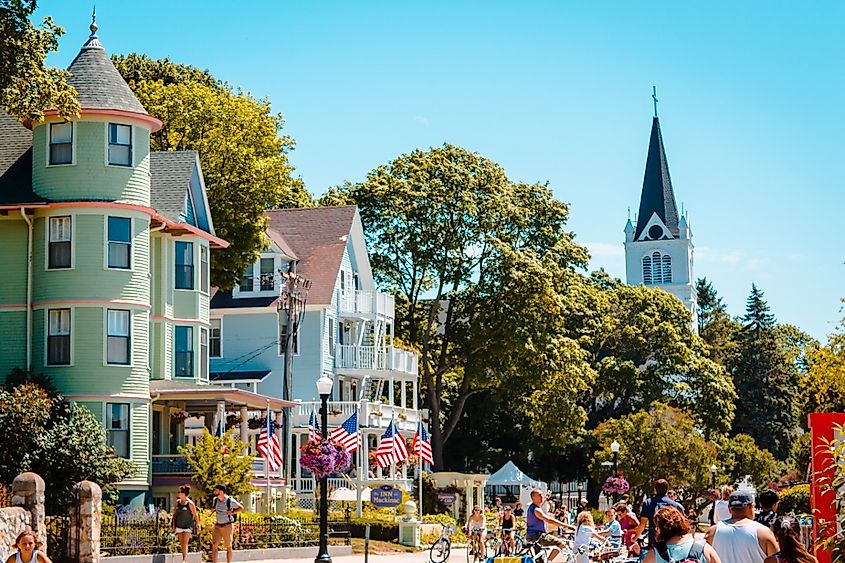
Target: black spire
[[657, 196]]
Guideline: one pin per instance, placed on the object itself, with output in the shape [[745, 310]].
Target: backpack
[[694, 555]]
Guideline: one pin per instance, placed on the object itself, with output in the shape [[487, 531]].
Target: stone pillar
[[28, 493], [245, 428], [86, 518]]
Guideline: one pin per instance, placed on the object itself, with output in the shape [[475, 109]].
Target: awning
[[210, 395]]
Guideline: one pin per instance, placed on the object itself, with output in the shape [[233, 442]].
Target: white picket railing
[[366, 302], [370, 414], [350, 356]]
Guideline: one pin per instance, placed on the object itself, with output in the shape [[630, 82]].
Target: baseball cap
[[740, 498]]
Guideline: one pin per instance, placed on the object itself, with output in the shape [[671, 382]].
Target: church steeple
[[657, 194]]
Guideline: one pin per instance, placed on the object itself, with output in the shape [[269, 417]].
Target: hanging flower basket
[[323, 457], [257, 422], [179, 416], [615, 486]]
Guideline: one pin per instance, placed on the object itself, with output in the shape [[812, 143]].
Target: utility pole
[[291, 311]]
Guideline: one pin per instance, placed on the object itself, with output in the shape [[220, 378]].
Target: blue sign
[[446, 498], [386, 497]]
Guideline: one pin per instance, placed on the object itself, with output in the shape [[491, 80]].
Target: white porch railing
[[365, 302], [370, 414], [350, 356], [305, 485]]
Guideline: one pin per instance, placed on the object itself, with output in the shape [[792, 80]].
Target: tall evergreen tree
[[766, 380], [715, 326]]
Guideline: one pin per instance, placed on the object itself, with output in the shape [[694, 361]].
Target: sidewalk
[[418, 557]]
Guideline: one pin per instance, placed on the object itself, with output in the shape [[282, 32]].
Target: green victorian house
[[104, 284]]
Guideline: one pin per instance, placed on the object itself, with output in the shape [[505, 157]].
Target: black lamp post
[[324, 388], [713, 470], [614, 447]]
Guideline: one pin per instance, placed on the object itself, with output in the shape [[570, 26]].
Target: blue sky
[[751, 106]]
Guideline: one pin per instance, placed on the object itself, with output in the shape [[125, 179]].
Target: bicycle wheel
[[518, 545], [493, 546], [439, 551]]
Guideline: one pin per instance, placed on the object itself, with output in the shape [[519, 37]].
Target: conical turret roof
[[657, 195], [99, 84]]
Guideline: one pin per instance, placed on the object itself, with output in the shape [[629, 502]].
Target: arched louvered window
[[657, 268], [667, 268], [647, 270]]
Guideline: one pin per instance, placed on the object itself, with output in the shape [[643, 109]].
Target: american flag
[[313, 427], [392, 448], [422, 444], [271, 450], [346, 435]]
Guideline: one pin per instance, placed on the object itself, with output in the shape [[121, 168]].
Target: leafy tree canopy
[[244, 158], [219, 460], [741, 456], [62, 442], [658, 443], [27, 85]]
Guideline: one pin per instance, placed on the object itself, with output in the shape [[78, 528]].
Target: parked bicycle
[[439, 551]]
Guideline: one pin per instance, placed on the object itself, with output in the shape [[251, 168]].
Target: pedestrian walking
[[769, 501], [675, 541], [27, 545], [628, 522], [740, 539], [650, 507], [185, 521], [225, 508], [787, 532], [711, 514], [721, 511]]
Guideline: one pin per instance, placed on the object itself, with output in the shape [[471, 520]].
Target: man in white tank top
[[740, 539]]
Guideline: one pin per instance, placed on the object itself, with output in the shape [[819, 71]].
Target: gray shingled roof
[[171, 178], [15, 163], [657, 195], [99, 84]]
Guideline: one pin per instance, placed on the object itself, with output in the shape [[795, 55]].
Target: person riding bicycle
[[507, 525], [476, 524], [536, 519]]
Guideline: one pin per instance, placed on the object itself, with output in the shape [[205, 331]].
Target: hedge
[[379, 529]]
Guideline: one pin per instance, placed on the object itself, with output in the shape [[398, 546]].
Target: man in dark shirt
[[769, 500], [650, 507]]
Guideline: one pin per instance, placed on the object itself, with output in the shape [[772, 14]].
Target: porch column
[[390, 393], [416, 403], [220, 417], [404, 394], [245, 429], [470, 496]]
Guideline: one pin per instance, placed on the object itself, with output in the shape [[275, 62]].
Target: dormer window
[[120, 144], [268, 277], [259, 277], [61, 143]]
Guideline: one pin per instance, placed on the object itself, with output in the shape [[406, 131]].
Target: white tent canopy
[[512, 476], [345, 494]]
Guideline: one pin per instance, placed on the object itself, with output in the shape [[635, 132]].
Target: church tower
[[659, 249]]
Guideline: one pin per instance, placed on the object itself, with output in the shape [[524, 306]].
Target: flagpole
[[267, 458], [419, 461]]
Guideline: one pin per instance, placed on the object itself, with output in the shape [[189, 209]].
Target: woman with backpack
[[185, 519], [674, 542]]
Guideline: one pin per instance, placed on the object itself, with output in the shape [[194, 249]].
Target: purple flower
[[615, 486], [323, 457]]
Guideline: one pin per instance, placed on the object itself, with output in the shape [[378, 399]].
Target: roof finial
[[654, 97], [93, 26], [93, 41], [629, 213]]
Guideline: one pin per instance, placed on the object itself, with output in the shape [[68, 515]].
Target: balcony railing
[[370, 414], [350, 356], [306, 484], [176, 465], [365, 302]]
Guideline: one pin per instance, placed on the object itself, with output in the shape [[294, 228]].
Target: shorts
[[547, 540], [183, 531]]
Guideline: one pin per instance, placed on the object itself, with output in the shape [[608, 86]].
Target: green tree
[[27, 85], [658, 443], [219, 460], [767, 381], [715, 326], [244, 158], [741, 456], [63, 443], [480, 266]]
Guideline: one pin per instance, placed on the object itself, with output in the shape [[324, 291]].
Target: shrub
[[795, 499], [379, 529], [443, 519]]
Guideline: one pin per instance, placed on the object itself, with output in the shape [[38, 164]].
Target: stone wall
[[13, 521]]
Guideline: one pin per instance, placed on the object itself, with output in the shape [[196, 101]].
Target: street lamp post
[[324, 388], [713, 470], [614, 447]]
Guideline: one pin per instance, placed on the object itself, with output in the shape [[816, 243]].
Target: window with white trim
[[203, 268], [120, 144], [120, 242], [59, 251], [61, 143], [117, 428], [657, 268], [203, 354], [117, 337], [247, 280], [215, 338], [184, 354], [58, 337], [268, 274]]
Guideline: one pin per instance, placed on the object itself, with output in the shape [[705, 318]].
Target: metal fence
[[139, 534], [62, 537]]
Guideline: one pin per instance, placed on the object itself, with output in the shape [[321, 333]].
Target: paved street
[[457, 555]]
